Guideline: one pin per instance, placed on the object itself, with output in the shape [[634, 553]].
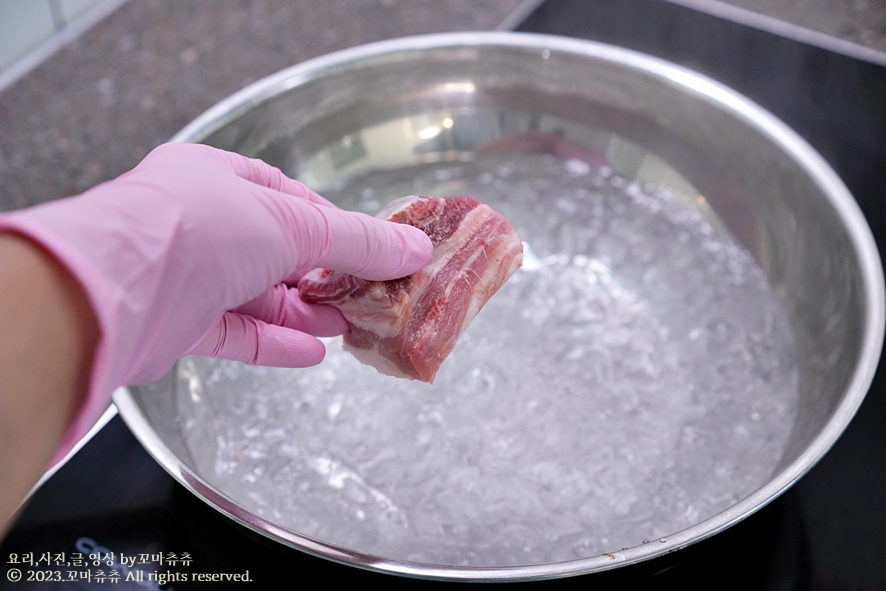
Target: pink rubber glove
[[186, 254]]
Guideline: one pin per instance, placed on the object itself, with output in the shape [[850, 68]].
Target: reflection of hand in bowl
[[547, 142]]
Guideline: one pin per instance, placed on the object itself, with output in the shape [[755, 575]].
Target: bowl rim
[[812, 163]]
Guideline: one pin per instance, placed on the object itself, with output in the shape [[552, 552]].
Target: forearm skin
[[48, 335]]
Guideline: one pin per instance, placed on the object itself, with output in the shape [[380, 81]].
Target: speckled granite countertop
[[859, 21], [97, 107]]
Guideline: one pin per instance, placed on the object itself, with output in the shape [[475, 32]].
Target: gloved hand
[[188, 253]]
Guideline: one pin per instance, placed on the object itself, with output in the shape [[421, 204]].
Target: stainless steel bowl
[[396, 105]]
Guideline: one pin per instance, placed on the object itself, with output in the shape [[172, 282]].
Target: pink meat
[[406, 327]]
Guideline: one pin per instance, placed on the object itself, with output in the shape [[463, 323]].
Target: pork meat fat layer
[[406, 327]]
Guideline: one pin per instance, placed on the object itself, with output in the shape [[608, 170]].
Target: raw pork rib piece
[[406, 327]]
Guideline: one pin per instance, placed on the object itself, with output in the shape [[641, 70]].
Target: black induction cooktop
[[827, 532]]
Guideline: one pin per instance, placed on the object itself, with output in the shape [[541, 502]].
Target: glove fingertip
[[417, 249], [408, 250], [282, 306], [246, 339], [283, 347]]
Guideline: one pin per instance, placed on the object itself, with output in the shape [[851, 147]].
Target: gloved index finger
[[359, 244], [261, 173], [326, 236]]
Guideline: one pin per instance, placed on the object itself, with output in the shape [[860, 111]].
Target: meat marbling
[[406, 327]]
